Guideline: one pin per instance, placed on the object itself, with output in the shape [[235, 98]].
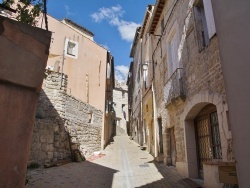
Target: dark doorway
[[160, 135]]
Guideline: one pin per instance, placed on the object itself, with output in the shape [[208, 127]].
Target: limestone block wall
[[62, 120], [201, 68], [84, 125]]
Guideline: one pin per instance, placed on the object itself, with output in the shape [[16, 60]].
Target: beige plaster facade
[[88, 65]]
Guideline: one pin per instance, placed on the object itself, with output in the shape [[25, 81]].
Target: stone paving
[[124, 165]]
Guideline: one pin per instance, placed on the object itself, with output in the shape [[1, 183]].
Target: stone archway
[[193, 107]]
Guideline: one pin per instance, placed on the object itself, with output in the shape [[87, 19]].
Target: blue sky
[[112, 21]]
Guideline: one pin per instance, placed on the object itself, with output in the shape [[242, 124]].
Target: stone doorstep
[[189, 183]]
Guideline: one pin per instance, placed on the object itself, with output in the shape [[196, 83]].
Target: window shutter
[[175, 52], [170, 61], [209, 18]]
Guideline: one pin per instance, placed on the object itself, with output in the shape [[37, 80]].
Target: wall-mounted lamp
[[144, 66]]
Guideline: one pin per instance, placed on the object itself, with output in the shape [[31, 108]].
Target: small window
[[71, 48], [123, 94], [138, 75], [90, 117]]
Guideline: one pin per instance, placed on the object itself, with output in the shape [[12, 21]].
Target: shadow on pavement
[[83, 174], [169, 179]]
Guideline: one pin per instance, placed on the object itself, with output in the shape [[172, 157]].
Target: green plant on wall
[[28, 10]]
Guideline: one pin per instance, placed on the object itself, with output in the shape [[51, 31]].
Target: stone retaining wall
[[61, 121]]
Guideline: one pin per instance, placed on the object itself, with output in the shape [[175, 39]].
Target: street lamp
[[145, 69]]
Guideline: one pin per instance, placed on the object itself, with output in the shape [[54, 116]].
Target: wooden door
[[160, 135]]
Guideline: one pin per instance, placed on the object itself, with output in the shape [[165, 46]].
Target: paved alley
[[124, 165]]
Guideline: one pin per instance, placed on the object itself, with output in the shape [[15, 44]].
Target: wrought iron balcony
[[174, 88]]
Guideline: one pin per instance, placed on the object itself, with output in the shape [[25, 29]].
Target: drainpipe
[[154, 104], [141, 88], [63, 58], [155, 122]]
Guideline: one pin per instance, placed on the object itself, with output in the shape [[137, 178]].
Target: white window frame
[[75, 53]]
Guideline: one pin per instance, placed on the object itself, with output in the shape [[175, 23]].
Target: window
[[207, 137], [90, 117], [138, 75], [71, 48], [216, 143], [204, 22], [162, 25], [172, 53], [165, 70], [123, 94]]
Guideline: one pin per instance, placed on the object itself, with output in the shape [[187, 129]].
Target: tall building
[[88, 65], [180, 85]]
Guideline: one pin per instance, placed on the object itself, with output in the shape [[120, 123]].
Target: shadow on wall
[[50, 141], [63, 124]]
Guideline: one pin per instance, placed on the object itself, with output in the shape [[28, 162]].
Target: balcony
[[174, 88]]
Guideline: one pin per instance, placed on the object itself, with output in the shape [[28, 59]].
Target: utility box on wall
[[227, 173]]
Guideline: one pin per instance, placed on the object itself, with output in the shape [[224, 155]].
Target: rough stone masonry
[[61, 121]]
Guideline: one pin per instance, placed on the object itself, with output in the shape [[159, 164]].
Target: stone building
[[77, 109], [136, 82], [190, 111], [120, 104], [129, 83], [89, 66]]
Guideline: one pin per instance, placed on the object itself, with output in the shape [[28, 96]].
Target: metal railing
[[174, 87]]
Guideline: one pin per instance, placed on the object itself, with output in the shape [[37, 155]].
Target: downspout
[[63, 58], [154, 107], [155, 122], [141, 88]]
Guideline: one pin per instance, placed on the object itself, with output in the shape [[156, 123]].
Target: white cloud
[[127, 30], [113, 16], [68, 12], [108, 13], [121, 72]]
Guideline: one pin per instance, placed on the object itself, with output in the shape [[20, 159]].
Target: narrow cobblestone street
[[124, 165]]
